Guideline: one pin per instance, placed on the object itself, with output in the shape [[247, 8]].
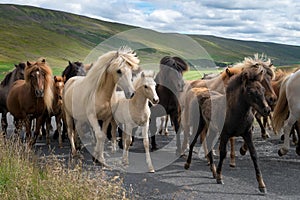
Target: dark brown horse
[[30, 98], [243, 92], [170, 83], [10, 78]]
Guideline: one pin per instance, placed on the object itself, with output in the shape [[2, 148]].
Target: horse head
[[73, 69], [19, 71], [121, 67], [254, 91], [171, 73], [59, 86], [148, 86]]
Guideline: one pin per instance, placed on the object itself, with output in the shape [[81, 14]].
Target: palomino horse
[[57, 112], [243, 91], [287, 110], [169, 84], [29, 98], [88, 98], [135, 112], [10, 78]]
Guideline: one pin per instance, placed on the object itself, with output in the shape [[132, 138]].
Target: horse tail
[[281, 110]]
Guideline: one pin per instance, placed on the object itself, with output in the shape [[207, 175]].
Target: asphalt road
[[172, 181]]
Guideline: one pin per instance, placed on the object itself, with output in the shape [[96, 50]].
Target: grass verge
[[23, 175]]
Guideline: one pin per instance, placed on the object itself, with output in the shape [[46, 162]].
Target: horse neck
[[106, 87], [237, 104], [216, 84], [139, 100]]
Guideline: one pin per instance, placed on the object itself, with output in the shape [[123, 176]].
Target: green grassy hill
[[28, 33]]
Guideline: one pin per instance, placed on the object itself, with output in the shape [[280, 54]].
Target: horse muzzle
[[39, 93], [155, 101], [129, 95]]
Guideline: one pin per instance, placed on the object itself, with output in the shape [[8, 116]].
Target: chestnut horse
[[30, 98], [243, 92], [10, 78]]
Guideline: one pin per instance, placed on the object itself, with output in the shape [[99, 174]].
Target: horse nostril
[[132, 95], [267, 111], [155, 101]]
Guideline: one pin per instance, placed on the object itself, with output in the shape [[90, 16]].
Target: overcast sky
[[260, 20]]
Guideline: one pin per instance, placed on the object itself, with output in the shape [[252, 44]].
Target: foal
[[135, 112], [244, 91]]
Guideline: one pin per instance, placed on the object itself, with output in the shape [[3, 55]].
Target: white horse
[[287, 110], [88, 98], [135, 112]]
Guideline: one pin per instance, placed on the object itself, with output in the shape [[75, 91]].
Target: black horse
[[10, 78], [170, 83]]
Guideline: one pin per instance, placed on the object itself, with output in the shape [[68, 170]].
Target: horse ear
[[143, 75], [16, 66], [28, 64], [70, 63], [64, 78], [228, 72], [55, 78], [43, 61]]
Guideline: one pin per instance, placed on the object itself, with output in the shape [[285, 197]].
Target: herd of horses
[[217, 108]]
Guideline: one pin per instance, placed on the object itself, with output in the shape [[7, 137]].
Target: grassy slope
[[27, 33]]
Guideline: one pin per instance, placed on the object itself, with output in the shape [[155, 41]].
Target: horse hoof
[[186, 166], [282, 137], [232, 165], [151, 171], [220, 181], [263, 190], [242, 151], [154, 148], [282, 152]]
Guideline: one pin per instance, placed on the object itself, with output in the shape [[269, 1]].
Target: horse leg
[[146, 146], [176, 124], [58, 121], [298, 134], [199, 131], [211, 163], [4, 123], [152, 128], [71, 133], [113, 136], [264, 135], [48, 127], [223, 151], [248, 140], [288, 124], [243, 149], [28, 129], [39, 123], [127, 141], [232, 152]]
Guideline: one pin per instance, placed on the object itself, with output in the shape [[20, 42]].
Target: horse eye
[[146, 86], [119, 71]]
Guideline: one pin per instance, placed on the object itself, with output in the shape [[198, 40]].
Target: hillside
[[27, 33]]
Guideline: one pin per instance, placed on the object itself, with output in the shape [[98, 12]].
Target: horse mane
[[6, 79], [252, 74], [111, 61], [48, 94], [175, 63]]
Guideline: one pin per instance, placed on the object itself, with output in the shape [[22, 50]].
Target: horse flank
[[281, 110]]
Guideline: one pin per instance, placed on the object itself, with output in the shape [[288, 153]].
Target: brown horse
[[10, 78], [29, 98], [57, 112], [244, 91]]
